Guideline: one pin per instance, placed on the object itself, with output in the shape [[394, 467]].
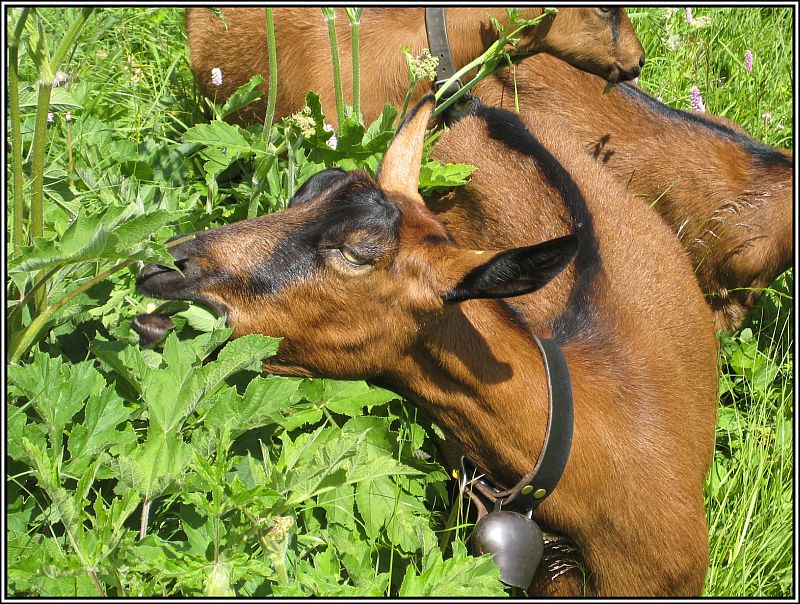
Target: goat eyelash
[[352, 258]]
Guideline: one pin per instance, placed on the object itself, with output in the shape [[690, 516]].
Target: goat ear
[[399, 170], [516, 271], [316, 185]]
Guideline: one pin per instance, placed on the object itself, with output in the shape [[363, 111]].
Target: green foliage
[[181, 471], [178, 470]]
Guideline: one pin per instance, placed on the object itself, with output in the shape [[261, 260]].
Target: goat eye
[[605, 10], [352, 258]]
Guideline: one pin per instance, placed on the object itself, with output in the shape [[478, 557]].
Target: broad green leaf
[[219, 134], [84, 485], [356, 556], [20, 540], [199, 529], [112, 234], [260, 405], [244, 95], [223, 143], [56, 390], [206, 343], [460, 576], [125, 360], [60, 99], [382, 127], [219, 581], [436, 176], [338, 505], [110, 522], [201, 319], [300, 415], [155, 466], [378, 466], [326, 471], [62, 503], [167, 391], [384, 505], [98, 430], [348, 398]]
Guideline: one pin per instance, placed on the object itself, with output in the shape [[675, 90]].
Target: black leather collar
[[439, 46], [529, 492]]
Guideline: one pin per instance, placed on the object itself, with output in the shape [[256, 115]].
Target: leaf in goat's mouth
[[609, 86], [152, 328], [202, 318]]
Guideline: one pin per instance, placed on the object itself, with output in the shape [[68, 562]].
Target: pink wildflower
[[216, 76], [748, 61], [697, 100], [332, 141], [688, 12], [50, 117]]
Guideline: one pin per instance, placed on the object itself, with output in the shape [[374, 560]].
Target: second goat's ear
[[516, 271]]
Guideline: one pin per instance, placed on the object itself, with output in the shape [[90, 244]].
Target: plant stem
[[16, 129], [70, 163], [330, 20], [18, 308], [354, 14], [406, 101], [488, 62], [272, 93], [96, 581], [47, 72], [145, 517], [21, 341], [37, 171], [291, 167], [356, 73], [69, 38]]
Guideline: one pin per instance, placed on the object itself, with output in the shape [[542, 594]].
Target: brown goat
[[363, 281], [599, 40], [727, 196]]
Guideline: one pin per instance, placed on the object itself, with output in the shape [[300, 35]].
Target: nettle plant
[[179, 469]]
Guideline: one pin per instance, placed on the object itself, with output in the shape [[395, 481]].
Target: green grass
[[133, 101]]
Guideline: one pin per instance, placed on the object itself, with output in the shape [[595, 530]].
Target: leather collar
[[529, 492], [439, 46]]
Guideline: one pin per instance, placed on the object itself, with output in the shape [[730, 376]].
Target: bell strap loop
[[529, 492]]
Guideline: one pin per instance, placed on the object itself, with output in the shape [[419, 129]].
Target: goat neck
[[480, 375]]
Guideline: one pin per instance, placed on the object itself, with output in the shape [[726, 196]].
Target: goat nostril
[[641, 62]]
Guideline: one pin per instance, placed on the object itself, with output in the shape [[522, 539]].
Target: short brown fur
[[237, 45], [731, 212], [644, 373]]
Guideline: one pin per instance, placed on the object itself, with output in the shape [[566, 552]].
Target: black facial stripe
[[616, 15], [358, 205]]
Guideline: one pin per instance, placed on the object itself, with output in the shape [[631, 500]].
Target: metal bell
[[515, 542]]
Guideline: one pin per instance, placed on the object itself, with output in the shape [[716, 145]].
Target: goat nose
[[641, 61]]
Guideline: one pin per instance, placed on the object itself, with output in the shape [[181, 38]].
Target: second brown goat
[[727, 196], [600, 40]]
